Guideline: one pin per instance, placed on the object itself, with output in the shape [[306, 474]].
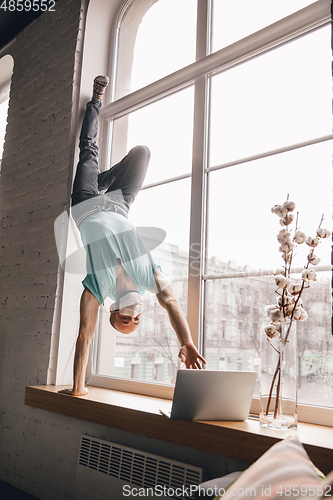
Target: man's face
[[124, 324]]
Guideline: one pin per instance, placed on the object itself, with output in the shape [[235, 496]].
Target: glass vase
[[278, 377]]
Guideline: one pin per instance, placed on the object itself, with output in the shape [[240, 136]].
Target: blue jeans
[[122, 182]]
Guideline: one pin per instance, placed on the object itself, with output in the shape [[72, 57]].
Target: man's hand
[[189, 355]]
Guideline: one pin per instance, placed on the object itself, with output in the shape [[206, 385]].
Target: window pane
[[242, 238], [233, 312], [233, 21], [280, 98], [163, 205], [166, 128], [151, 34], [151, 352], [232, 320], [241, 227]]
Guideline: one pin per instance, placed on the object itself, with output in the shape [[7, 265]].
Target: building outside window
[[237, 116]]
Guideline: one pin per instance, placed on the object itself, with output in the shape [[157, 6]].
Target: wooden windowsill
[[139, 414]]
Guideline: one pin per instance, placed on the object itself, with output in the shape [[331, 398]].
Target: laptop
[[212, 395]]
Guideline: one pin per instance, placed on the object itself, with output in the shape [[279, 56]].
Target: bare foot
[[71, 393]]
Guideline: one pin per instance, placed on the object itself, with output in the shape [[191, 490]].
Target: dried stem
[[277, 369], [287, 270], [278, 389], [275, 349]]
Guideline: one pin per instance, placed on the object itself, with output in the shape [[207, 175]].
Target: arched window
[[235, 106], [170, 45]]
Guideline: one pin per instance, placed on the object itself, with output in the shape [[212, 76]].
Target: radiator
[[108, 471]]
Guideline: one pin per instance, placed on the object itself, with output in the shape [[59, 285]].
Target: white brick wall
[[34, 184], [39, 449]]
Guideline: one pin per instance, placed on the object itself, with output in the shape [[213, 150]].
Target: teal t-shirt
[[108, 236]]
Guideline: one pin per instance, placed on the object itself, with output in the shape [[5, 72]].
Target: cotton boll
[[300, 314], [320, 232], [271, 331], [286, 247], [285, 221], [295, 288], [268, 310], [281, 281], [279, 270], [283, 248], [298, 240], [279, 211], [304, 315], [299, 237], [323, 233], [283, 239], [276, 314], [309, 274], [283, 236], [289, 206], [285, 299], [313, 259], [312, 242], [279, 278]]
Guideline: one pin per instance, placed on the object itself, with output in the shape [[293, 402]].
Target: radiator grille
[[136, 467]]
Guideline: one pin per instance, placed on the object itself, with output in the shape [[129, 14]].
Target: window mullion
[[197, 209], [203, 31], [198, 178]]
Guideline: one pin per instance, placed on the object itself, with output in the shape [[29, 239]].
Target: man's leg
[[127, 175], [85, 183]]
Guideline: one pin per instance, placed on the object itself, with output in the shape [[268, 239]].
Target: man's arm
[[188, 352], [89, 306]]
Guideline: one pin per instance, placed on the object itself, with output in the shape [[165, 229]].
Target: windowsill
[[139, 414]]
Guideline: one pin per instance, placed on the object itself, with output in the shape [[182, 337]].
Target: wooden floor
[[8, 492]]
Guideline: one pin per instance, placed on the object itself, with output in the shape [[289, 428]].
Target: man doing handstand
[[119, 265]]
